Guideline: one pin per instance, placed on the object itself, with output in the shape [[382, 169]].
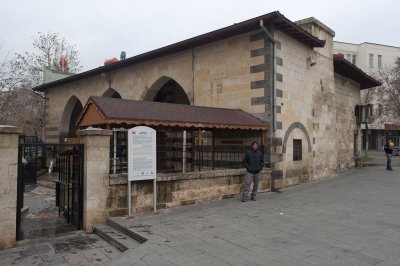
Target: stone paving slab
[[349, 219], [43, 217], [74, 249], [352, 218]]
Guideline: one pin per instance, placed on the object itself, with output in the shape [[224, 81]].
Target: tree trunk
[[366, 140]]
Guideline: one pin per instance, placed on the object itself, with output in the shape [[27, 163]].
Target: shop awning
[[106, 112], [389, 126]]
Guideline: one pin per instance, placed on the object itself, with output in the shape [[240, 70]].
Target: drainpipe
[[193, 75], [273, 91], [270, 38]]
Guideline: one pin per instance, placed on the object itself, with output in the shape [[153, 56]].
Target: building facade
[[373, 58], [370, 57], [282, 72]]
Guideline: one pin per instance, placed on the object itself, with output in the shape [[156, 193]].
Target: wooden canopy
[[106, 112]]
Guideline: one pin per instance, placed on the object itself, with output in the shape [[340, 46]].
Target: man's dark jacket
[[253, 161], [387, 149]]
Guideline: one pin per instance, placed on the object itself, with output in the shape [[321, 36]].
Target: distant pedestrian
[[254, 163], [389, 153]]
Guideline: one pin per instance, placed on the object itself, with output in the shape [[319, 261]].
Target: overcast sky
[[102, 28]]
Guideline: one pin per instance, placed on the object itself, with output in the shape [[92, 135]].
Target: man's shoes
[[244, 199], [253, 198]]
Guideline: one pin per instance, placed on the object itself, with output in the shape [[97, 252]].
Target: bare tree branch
[[388, 95], [19, 105]]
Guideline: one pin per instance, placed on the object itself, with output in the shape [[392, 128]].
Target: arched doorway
[[297, 154], [111, 93], [166, 90], [171, 92], [72, 110]]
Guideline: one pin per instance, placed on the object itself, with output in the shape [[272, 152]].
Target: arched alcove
[[293, 126], [111, 93], [166, 90], [72, 110]]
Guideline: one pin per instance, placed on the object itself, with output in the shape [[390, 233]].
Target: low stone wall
[[177, 189]]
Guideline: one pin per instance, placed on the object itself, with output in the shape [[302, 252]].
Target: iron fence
[[119, 151], [67, 160], [34, 156], [30, 139], [70, 184], [189, 150]]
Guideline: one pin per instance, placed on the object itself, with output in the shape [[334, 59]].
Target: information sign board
[[142, 163], [142, 159]]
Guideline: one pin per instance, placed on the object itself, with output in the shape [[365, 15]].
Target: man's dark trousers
[[249, 178]]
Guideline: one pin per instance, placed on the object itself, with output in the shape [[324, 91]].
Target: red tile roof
[[273, 20], [130, 112]]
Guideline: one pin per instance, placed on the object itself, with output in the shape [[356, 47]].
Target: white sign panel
[[141, 153]]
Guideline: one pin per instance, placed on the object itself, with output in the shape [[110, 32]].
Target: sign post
[[142, 163]]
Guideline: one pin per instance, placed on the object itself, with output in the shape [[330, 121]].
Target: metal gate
[[69, 193], [68, 163]]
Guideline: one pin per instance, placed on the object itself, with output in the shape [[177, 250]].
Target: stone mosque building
[[281, 73]]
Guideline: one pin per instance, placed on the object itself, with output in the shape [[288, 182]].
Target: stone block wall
[[8, 185], [95, 179], [230, 73], [227, 73], [105, 195], [348, 146], [310, 109], [179, 189], [294, 85], [324, 119]]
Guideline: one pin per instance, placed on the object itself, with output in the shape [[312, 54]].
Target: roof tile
[[168, 114]]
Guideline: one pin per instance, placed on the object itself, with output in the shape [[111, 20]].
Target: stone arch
[[167, 90], [111, 93], [72, 110], [292, 127]]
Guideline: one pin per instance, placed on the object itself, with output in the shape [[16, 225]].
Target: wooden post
[[199, 139], [115, 152], [262, 137], [184, 152], [213, 152], [199, 143]]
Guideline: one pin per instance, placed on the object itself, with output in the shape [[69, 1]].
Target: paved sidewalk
[[75, 248], [349, 219], [352, 218], [379, 159], [42, 218]]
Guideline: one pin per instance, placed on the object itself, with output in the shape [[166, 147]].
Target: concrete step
[[115, 237], [114, 223]]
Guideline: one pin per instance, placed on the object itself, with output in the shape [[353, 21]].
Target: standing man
[[254, 163], [389, 151]]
